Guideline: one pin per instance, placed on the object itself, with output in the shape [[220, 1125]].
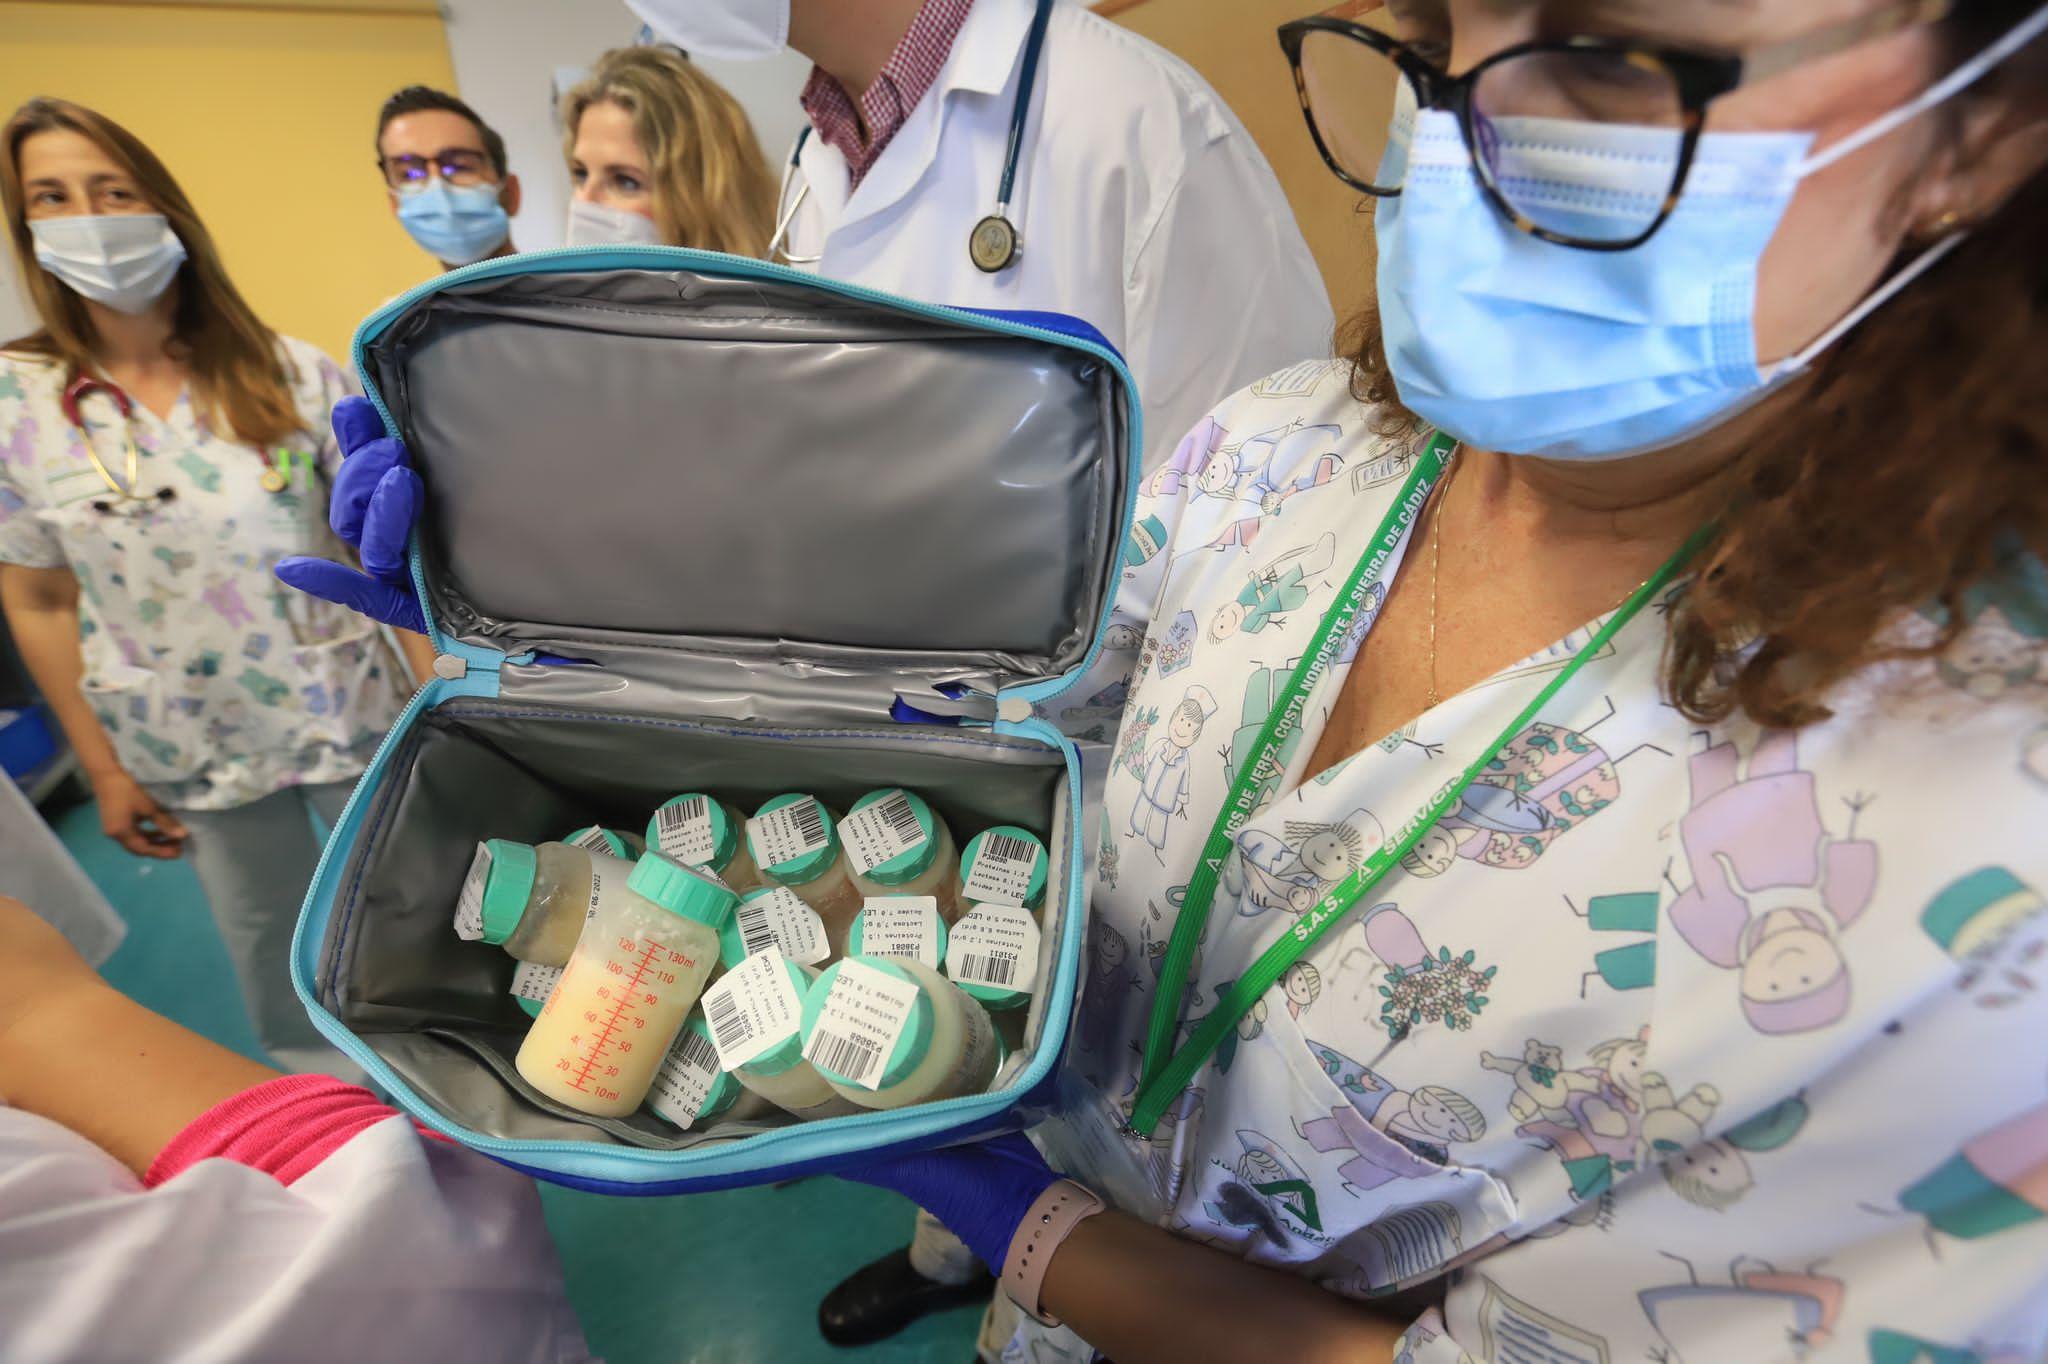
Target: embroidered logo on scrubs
[[1297, 1196]]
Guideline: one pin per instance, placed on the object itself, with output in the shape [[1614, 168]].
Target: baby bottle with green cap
[[637, 969], [888, 1032], [1005, 865], [896, 844], [755, 1013], [597, 838], [795, 843], [702, 831], [533, 900]]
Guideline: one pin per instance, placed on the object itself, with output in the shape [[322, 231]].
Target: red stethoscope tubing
[[75, 392]]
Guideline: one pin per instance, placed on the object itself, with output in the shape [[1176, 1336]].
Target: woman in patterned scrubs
[[214, 710], [1710, 1022]]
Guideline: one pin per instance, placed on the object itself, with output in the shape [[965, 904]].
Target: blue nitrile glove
[[376, 499], [981, 1191]]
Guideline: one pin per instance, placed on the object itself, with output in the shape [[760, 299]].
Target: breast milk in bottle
[[755, 1012], [897, 845], [700, 831], [639, 966], [899, 926], [772, 919], [795, 843], [533, 901], [1005, 865], [888, 1032]]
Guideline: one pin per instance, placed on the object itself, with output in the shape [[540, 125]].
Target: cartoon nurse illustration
[[1258, 476], [1772, 891], [1163, 771], [1294, 871]]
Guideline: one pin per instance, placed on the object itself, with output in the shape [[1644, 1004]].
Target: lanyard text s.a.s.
[[1165, 1071]]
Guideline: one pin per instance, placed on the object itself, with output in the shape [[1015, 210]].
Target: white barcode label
[[796, 830], [684, 1082], [996, 945], [752, 1009], [776, 920], [880, 832], [864, 1015], [469, 905], [534, 981], [901, 926], [1002, 869], [595, 839], [683, 831]]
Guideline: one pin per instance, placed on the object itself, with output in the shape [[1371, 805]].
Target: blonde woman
[[160, 450], [661, 153]]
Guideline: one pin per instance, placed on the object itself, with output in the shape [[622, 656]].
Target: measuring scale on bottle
[[638, 968]]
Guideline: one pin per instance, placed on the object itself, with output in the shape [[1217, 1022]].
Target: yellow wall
[[267, 117], [1231, 43]]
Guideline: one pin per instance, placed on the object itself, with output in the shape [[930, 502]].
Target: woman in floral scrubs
[[214, 710]]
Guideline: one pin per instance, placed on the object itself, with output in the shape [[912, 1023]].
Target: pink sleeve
[[282, 1127]]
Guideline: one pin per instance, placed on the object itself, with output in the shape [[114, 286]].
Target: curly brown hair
[[1909, 470]]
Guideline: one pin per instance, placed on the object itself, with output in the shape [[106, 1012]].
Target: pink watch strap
[[1061, 1208]]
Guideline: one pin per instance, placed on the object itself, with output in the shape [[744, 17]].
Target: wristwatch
[[1061, 1208]]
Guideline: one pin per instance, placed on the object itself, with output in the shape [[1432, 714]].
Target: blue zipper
[[740, 267]]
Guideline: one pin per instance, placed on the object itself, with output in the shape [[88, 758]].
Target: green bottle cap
[[694, 829], [797, 868], [911, 1044], [507, 887], [681, 890], [912, 822]]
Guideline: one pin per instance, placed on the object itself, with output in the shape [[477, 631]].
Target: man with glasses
[[445, 171]]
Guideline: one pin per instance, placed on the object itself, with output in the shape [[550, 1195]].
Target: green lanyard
[[1165, 1072]]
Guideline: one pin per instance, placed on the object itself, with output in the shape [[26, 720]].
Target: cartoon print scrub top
[[1675, 1044], [217, 683]]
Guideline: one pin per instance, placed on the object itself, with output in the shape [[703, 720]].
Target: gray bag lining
[[939, 500], [436, 1009]]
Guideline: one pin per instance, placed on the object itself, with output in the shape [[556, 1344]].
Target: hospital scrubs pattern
[[1682, 1042], [231, 697]]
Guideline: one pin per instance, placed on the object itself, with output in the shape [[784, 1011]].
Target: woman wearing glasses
[[1601, 917], [160, 450]]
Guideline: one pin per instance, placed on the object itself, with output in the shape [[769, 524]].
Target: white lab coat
[[394, 1247], [1143, 205]]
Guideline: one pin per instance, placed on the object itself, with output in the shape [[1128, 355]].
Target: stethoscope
[[277, 476], [994, 245]]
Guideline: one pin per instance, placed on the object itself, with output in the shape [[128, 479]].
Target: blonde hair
[[711, 186], [238, 371]]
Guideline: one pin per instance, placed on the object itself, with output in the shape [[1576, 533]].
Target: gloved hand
[[981, 1192], [376, 499]]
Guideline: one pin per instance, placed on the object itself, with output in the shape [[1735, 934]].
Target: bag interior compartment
[[852, 475], [435, 1008]]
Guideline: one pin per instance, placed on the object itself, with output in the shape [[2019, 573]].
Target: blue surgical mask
[[456, 224], [1518, 345]]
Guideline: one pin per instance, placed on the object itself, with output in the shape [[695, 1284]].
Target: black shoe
[[878, 1300]]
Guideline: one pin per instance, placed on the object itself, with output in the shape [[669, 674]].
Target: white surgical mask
[[124, 260], [596, 225], [734, 30]]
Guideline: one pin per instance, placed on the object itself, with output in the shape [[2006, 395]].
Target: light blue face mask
[[457, 224], [1518, 345]]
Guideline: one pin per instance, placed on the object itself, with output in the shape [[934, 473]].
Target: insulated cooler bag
[[701, 523]]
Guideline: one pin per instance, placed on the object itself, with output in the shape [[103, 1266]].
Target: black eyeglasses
[[455, 165], [1354, 79]]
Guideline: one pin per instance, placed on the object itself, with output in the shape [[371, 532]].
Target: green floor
[[738, 1274]]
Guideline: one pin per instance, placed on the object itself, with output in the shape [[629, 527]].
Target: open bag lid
[[648, 457]]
